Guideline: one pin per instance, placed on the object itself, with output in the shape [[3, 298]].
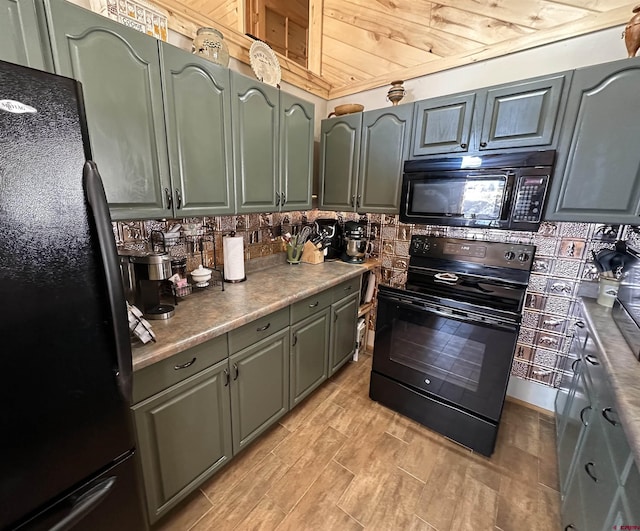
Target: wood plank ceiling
[[362, 44]]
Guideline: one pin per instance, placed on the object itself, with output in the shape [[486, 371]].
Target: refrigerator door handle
[[85, 503], [94, 191]]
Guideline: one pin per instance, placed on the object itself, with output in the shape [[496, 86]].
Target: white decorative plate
[[264, 63]]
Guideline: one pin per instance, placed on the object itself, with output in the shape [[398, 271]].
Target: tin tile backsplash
[[563, 252]]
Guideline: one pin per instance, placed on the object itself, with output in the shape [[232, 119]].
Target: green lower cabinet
[[309, 355], [344, 314], [184, 436], [259, 387]]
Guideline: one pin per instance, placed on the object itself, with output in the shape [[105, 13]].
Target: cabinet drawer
[[346, 288], [256, 330], [165, 373], [311, 305]]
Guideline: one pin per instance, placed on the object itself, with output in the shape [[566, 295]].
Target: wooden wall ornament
[[631, 33]]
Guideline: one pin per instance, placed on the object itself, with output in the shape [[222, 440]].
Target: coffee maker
[[145, 276], [331, 233], [355, 242]]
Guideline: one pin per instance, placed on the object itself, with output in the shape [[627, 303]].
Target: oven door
[[456, 357]]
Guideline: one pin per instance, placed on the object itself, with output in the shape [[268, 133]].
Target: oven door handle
[[461, 315]]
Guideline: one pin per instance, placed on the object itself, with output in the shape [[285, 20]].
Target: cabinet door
[[184, 436], [597, 175], [259, 387], [522, 114], [20, 38], [120, 73], [578, 413], [384, 148], [254, 107], [198, 115], [309, 355], [296, 152], [443, 125], [595, 472], [339, 156], [344, 315]]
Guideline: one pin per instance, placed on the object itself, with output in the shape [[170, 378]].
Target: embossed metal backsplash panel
[[563, 260]]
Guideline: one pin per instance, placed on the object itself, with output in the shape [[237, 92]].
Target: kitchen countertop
[[622, 368], [209, 313]]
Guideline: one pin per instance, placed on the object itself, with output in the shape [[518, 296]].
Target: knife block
[[311, 254]]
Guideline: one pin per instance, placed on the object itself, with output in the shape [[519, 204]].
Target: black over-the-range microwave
[[496, 190]]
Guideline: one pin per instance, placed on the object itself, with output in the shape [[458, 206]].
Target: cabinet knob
[[169, 197], [184, 365], [178, 199], [277, 199], [358, 201], [283, 198], [587, 469], [582, 412], [353, 200], [605, 414], [483, 144], [226, 377], [295, 340], [463, 146], [235, 371]]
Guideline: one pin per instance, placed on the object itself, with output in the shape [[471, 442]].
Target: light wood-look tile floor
[[340, 461]]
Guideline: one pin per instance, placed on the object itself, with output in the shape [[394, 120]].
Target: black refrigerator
[[66, 435]]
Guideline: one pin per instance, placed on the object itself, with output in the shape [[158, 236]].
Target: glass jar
[[209, 43]]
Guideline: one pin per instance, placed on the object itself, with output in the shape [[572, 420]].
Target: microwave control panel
[[529, 201]]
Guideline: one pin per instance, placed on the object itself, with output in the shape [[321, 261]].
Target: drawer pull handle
[[263, 328], [587, 469], [582, 412], [605, 414], [592, 359], [184, 365], [226, 377], [574, 365], [295, 340], [314, 304], [235, 372], [348, 288], [579, 324], [569, 527]]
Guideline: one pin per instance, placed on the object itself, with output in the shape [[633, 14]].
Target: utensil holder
[[294, 252], [311, 254], [607, 291]]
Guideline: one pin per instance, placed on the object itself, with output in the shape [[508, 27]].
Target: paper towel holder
[[234, 281]]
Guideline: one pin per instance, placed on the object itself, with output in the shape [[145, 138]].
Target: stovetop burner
[[488, 275]]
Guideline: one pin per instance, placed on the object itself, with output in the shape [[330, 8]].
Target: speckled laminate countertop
[[622, 368], [212, 312]]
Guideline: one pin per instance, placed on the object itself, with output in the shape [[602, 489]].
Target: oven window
[[446, 350], [463, 362], [462, 196]]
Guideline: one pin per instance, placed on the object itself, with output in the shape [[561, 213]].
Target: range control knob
[[523, 257], [509, 255]]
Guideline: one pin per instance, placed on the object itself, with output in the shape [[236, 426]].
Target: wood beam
[[314, 46]]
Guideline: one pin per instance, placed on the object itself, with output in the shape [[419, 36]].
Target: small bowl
[[347, 108], [201, 276]]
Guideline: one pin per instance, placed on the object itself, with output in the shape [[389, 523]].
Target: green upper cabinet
[[296, 153], [20, 39], [255, 110], [443, 125], [513, 115], [361, 158], [384, 147], [197, 107], [597, 174], [523, 114], [339, 157], [120, 72]]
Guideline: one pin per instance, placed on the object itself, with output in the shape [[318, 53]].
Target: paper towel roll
[[233, 253]]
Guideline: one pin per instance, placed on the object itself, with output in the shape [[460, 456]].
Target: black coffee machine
[[355, 242], [331, 233]]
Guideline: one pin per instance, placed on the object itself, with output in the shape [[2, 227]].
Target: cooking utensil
[[346, 108]]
